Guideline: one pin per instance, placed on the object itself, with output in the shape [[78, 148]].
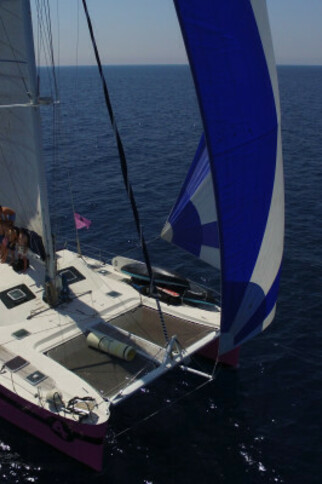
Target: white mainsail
[[19, 138], [22, 178]]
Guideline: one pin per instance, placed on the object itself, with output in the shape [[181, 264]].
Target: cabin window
[[16, 295]]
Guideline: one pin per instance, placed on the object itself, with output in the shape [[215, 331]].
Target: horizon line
[[163, 64]]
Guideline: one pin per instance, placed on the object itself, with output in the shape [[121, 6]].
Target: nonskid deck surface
[[141, 329]]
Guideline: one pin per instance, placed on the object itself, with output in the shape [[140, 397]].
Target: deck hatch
[[113, 294], [14, 296], [36, 377], [16, 363], [71, 275], [21, 333]]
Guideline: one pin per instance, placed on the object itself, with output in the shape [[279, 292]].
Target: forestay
[[231, 57]]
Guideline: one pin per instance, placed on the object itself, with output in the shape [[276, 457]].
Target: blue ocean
[[260, 423]]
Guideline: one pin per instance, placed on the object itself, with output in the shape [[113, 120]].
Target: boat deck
[[52, 340], [142, 330]]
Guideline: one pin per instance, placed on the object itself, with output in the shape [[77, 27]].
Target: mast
[[34, 100]]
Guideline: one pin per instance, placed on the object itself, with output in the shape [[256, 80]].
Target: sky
[[147, 31]]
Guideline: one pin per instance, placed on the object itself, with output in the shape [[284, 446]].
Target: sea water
[[259, 424]]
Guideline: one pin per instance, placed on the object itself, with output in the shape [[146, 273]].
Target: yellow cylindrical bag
[[106, 344]]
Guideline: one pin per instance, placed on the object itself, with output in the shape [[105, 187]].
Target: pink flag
[[81, 221]]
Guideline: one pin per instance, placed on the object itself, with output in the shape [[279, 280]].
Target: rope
[[109, 253], [297, 354], [169, 405], [124, 167], [77, 238], [45, 43], [45, 33]]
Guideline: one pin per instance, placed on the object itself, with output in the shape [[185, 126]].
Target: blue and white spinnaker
[[230, 211]]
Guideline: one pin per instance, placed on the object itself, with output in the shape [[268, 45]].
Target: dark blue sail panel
[[190, 234], [192, 223], [265, 307], [198, 171], [238, 107]]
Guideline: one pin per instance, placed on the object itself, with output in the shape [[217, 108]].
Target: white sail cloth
[[21, 173]]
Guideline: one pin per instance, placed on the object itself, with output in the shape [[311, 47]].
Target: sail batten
[[231, 58]]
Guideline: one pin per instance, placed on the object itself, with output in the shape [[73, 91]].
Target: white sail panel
[[192, 223], [19, 118]]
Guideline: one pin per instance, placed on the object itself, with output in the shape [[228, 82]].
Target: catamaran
[[78, 336]]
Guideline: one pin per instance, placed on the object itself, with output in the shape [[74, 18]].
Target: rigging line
[[108, 255], [47, 42], [55, 155], [124, 169], [58, 123], [296, 353], [56, 135], [166, 407], [43, 41], [72, 198], [51, 49], [44, 18], [77, 38], [58, 32], [131, 380], [38, 40], [45, 29]]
